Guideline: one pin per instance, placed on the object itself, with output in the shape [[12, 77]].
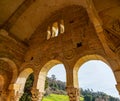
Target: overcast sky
[[94, 75]]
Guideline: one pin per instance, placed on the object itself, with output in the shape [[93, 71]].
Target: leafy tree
[[27, 90], [99, 95], [53, 77], [58, 87], [46, 83], [88, 98], [54, 86]]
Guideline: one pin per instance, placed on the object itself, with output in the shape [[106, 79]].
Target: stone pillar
[[3, 95], [36, 95], [13, 95], [18, 96], [73, 93]]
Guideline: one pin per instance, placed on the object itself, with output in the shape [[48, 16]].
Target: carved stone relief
[[69, 54], [112, 34], [73, 93], [36, 95], [5, 66], [116, 26]]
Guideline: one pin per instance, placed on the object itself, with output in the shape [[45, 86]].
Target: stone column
[[18, 96], [36, 95], [73, 93], [3, 95], [13, 95]]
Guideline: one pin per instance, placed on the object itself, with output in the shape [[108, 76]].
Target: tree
[[53, 77], [88, 98], [46, 83], [27, 89]]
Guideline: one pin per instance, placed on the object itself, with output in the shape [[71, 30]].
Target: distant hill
[[53, 86]]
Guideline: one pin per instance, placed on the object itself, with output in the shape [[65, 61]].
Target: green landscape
[[55, 91], [56, 97]]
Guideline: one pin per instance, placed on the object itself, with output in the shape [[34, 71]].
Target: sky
[[93, 74]]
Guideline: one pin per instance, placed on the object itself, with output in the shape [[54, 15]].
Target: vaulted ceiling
[[22, 17], [7, 8]]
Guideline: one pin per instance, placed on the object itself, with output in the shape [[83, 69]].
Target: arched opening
[[62, 27], [13, 67], [98, 76], [56, 79], [51, 74], [55, 29], [22, 80], [83, 60], [27, 89], [104, 71], [49, 33]]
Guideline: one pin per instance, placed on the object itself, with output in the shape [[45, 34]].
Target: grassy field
[[55, 97]]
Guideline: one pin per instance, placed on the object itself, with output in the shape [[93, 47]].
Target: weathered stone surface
[[73, 93], [79, 31]]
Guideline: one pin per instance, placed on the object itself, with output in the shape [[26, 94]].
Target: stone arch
[[14, 68], [81, 61], [6, 81], [22, 79], [4, 90], [2, 82], [43, 73]]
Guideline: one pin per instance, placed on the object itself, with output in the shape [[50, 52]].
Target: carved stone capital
[[69, 54], [18, 96], [73, 93], [36, 95]]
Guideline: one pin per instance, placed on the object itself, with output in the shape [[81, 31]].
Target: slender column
[[73, 93], [36, 95], [72, 84], [13, 95], [3, 95], [18, 96]]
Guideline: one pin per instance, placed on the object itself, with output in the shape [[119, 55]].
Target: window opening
[[62, 28], [55, 29], [48, 33]]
